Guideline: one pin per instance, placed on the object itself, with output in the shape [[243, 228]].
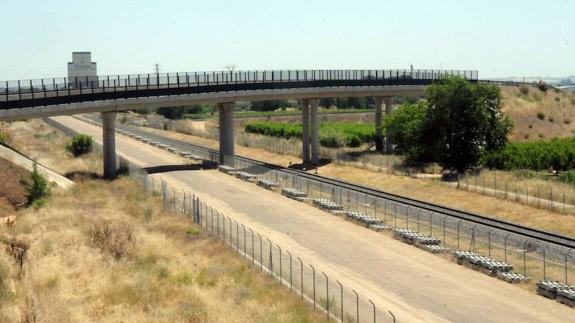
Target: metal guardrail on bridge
[[50, 91]]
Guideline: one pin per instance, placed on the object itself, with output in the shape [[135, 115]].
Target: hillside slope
[[539, 115]]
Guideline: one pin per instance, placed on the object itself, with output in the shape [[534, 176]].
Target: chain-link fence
[[334, 298]]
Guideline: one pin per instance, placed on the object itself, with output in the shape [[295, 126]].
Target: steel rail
[[528, 232]]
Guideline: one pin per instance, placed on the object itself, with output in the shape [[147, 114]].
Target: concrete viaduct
[[25, 99]]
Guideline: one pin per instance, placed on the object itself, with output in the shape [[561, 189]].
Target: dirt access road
[[415, 285]]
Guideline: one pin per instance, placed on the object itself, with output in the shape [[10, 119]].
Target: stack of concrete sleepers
[[363, 218], [482, 263], [267, 184], [294, 194], [512, 277], [246, 176], [326, 204], [551, 289], [226, 169]]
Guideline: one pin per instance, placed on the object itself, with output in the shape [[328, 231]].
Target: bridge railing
[[49, 87]]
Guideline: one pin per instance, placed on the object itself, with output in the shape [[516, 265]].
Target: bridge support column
[[388, 145], [226, 120], [379, 141], [305, 130], [109, 144], [313, 104]]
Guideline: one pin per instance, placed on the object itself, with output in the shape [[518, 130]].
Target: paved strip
[[415, 285]]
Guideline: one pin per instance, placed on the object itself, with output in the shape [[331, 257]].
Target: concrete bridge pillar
[[313, 104], [226, 120], [305, 130], [109, 144], [388, 110], [379, 141]]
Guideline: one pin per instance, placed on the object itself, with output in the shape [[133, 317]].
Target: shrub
[[551, 119], [333, 135], [567, 121], [567, 177], [558, 154], [542, 86], [530, 126], [523, 89], [331, 139], [557, 99], [80, 144], [36, 188], [540, 115], [117, 240]]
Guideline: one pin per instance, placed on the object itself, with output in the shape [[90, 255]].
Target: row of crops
[[331, 135]]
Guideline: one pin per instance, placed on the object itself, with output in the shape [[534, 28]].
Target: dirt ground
[[46, 145]]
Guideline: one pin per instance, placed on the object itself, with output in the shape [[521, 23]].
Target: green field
[[332, 135], [254, 114]]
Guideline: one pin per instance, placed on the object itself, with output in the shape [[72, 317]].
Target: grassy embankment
[[103, 251]]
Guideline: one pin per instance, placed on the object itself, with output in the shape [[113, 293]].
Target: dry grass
[[426, 190], [558, 108], [46, 145], [104, 252]]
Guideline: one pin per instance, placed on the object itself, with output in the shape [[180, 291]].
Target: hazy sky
[[498, 38]]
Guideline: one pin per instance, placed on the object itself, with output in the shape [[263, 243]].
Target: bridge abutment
[[109, 144], [226, 131]]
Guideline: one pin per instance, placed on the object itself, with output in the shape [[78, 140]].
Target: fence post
[[313, 282], [524, 256], [326, 293], [341, 299], [566, 283], [301, 275], [261, 253], [245, 250], [544, 264], [356, 305], [253, 248], [290, 271], [271, 264], [281, 274]]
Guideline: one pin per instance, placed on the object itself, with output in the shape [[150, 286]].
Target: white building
[[82, 71]]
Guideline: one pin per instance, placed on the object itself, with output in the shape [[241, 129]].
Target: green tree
[[268, 105], [172, 113], [403, 128], [462, 120], [80, 144], [36, 187]]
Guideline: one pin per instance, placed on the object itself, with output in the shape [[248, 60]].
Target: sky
[[498, 38]]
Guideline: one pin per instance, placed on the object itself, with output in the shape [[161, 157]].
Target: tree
[[268, 105], [403, 129], [80, 144], [36, 188], [172, 113], [462, 120]]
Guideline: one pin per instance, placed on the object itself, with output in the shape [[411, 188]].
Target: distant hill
[[539, 115]]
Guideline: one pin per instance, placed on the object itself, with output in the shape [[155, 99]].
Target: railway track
[[528, 232]]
